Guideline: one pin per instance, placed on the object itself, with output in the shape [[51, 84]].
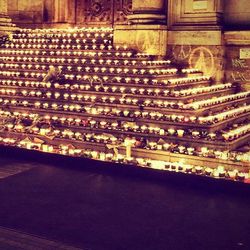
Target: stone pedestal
[[150, 39], [5, 21], [148, 11], [146, 31]]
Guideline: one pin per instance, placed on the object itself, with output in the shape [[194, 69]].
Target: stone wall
[[238, 57], [182, 13], [199, 49], [26, 11], [195, 14], [76, 12], [195, 35], [237, 14]]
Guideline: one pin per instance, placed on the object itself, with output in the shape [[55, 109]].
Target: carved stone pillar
[[5, 21], [147, 31], [148, 11]]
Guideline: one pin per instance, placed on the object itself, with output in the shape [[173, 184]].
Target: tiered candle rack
[[114, 104]]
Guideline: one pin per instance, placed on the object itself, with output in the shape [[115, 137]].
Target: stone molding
[[237, 37], [148, 12], [201, 37]]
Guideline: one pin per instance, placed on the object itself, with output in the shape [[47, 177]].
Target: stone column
[[147, 29], [5, 21], [148, 11], [63, 13]]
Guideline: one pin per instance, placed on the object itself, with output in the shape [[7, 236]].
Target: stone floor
[[8, 168], [14, 240], [87, 207]]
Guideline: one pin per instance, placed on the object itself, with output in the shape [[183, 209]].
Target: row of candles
[[118, 112], [100, 53], [115, 126], [128, 80], [30, 74], [217, 100], [70, 121], [63, 133], [91, 78], [159, 103], [128, 127], [116, 89], [97, 84], [65, 32], [88, 35], [94, 98], [153, 115], [200, 89], [190, 71], [88, 69], [183, 80], [226, 114], [235, 133], [20, 83], [133, 90], [100, 138], [105, 138], [218, 172], [68, 46], [77, 60], [64, 40], [82, 61], [75, 107]]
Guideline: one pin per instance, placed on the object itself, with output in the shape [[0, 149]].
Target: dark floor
[[14, 240], [99, 210]]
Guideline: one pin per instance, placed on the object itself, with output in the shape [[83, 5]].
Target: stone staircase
[[72, 92]]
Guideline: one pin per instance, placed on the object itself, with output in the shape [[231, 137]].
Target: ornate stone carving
[[104, 11], [98, 11], [122, 9]]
